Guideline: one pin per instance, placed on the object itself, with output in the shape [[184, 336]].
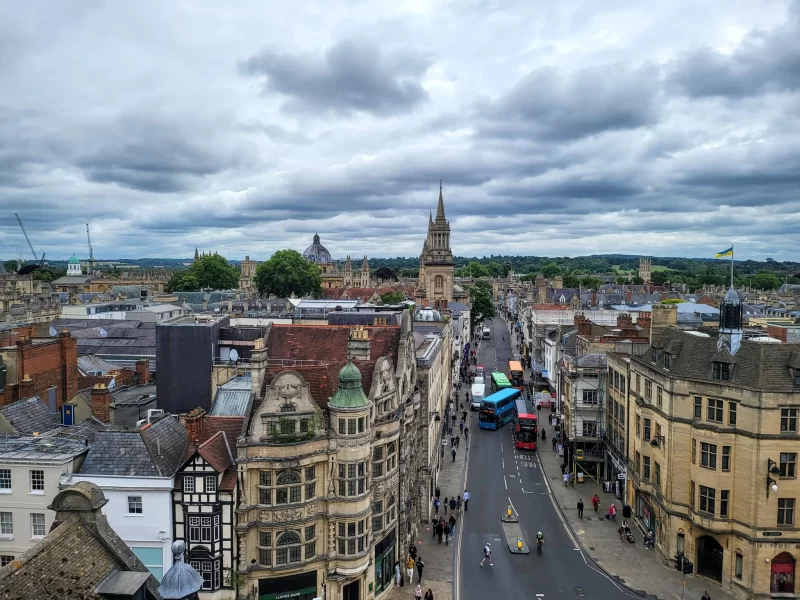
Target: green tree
[[550, 270], [660, 277], [764, 280], [393, 297], [182, 281], [12, 266], [482, 305], [214, 272], [473, 269], [673, 301], [48, 274], [619, 281], [496, 269], [636, 280], [287, 273], [591, 283], [571, 281]]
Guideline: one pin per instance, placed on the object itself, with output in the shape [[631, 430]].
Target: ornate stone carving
[[288, 386], [290, 514], [265, 516], [311, 509], [332, 537], [386, 376]]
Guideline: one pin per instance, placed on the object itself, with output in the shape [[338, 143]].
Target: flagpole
[[731, 266]]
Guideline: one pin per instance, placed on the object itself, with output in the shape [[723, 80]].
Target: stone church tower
[[436, 266]]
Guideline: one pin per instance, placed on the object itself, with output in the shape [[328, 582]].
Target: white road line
[[512, 506], [505, 482], [502, 460]]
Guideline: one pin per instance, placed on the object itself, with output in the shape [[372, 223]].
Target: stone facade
[[436, 266], [246, 274], [323, 508], [645, 270], [334, 277], [711, 434]]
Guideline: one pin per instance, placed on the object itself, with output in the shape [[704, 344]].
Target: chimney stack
[[143, 371], [101, 401], [194, 424], [358, 346], [583, 324]]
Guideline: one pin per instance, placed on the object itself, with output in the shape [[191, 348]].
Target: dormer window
[[667, 360], [654, 355], [721, 371], [796, 377]]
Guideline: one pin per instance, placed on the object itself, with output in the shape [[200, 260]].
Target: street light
[[772, 469], [657, 440]]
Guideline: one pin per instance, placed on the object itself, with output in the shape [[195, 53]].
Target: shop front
[[781, 576], [645, 513], [385, 557], [293, 587]]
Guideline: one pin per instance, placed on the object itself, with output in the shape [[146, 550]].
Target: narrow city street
[[499, 475]]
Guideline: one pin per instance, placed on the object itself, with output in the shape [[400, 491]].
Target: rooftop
[[232, 398], [30, 415], [196, 320], [41, 448]]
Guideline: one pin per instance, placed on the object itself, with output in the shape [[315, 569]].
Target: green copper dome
[[350, 393], [74, 260]]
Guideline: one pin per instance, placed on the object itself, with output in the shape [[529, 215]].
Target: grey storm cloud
[[765, 61], [187, 128], [353, 75]]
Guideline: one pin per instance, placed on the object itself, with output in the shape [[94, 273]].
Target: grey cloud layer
[[546, 145]]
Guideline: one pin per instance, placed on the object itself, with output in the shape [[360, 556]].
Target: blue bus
[[498, 409]]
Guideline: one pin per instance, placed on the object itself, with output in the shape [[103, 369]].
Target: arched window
[[288, 548], [781, 577], [287, 487], [438, 282]]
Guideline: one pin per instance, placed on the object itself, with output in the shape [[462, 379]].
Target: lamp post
[[772, 470]]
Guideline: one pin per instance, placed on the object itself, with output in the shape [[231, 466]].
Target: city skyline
[[573, 130]]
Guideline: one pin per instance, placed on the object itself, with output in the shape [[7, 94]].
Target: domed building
[[74, 282], [332, 275]]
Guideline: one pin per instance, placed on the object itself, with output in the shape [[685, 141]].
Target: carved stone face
[[386, 375], [287, 388]]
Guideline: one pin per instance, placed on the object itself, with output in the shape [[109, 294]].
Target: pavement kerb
[[457, 553], [576, 538]]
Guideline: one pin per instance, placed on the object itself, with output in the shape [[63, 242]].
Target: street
[[499, 475]]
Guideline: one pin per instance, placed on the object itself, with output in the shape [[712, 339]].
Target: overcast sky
[[665, 128]]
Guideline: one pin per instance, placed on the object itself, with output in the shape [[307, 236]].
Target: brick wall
[[42, 365], [10, 337], [121, 378]]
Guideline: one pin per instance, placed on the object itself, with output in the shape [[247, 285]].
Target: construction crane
[[91, 252], [27, 239]]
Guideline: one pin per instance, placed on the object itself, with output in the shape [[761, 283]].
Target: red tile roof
[[229, 480], [217, 452], [360, 294], [327, 346], [212, 425], [332, 293]]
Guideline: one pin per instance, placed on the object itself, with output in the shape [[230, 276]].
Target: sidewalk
[[439, 559], [638, 568]]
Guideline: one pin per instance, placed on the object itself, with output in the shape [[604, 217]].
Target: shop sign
[[772, 533]]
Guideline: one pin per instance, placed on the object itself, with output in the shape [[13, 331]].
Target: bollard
[[509, 517]]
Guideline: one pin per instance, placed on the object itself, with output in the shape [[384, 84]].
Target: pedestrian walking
[[436, 504], [420, 567], [462, 426], [554, 444], [580, 508], [428, 595], [487, 554], [434, 523], [566, 479], [452, 526], [398, 581], [544, 433], [440, 530], [412, 551], [438, 492], [706, 597], [447, 531], [464, 414], [458, 440], [453, 452], [459, 504], [466, 500], [418, 592], [446, 504], [453, 505], [466, 432], [410, 570], [572, 480]]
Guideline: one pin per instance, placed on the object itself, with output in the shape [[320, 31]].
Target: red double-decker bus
[[525, 426]]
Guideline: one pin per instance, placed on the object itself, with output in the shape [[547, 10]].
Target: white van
[[487, 333], [477, 393]]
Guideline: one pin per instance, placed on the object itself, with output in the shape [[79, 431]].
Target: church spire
[[196, 254], [440, 207]]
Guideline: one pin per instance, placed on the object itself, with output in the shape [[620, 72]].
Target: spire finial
[[440, 207]]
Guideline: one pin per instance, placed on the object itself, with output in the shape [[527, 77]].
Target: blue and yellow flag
[[724, 253]]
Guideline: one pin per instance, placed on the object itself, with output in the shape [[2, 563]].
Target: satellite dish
[[234, 355]]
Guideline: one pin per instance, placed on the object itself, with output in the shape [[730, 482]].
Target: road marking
[[512, 506], [502, 460], [505, 482]]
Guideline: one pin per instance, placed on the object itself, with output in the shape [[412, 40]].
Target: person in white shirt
[[487, 554], [466, 500]]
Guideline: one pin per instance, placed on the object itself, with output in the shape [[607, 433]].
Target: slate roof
[[156, 450], [217, 452], [30, 415], [591, 361], [756, 365], [95, 363], [75, 556]]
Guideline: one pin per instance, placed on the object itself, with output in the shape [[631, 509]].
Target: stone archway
[[781, 574], [709, 558]]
